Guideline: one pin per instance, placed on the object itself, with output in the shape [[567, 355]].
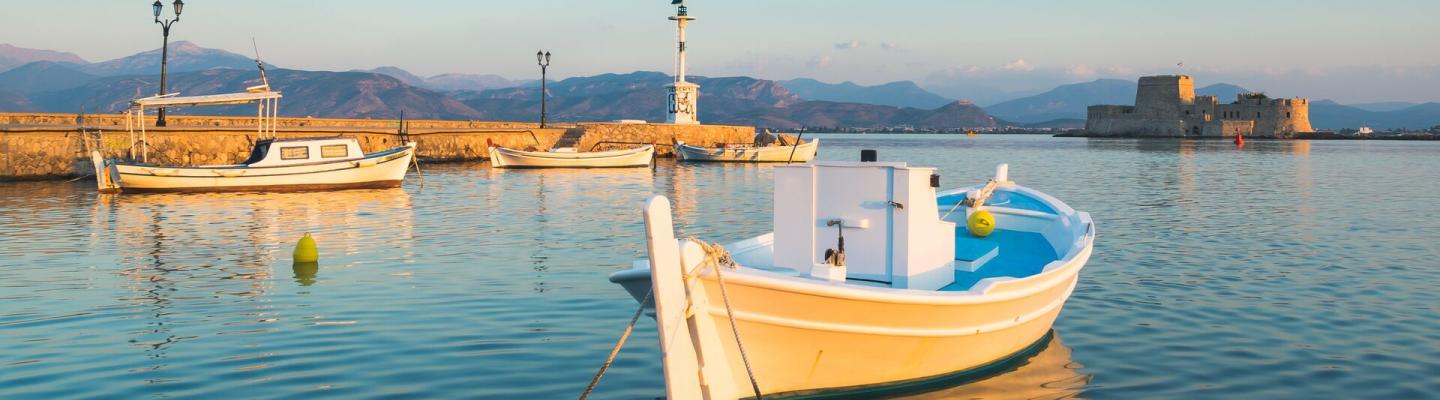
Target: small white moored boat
[[567, 157], [870, 279], [803, 152]]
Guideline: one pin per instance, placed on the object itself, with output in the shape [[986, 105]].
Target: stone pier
[[48, 146]]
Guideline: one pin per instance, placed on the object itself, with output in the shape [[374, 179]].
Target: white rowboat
[[501, 157], [803, 152], [916, 297]]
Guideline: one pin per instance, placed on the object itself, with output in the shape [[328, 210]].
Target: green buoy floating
[[305, 251]]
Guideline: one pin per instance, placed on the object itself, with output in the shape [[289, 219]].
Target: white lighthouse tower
[[682, 94]]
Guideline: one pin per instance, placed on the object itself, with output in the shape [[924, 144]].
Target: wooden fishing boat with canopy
[[274, 164]]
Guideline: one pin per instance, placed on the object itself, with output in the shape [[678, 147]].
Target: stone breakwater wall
[[48, 146]]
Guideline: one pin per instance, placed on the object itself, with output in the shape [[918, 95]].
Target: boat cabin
[[900, 233], [294, 151]]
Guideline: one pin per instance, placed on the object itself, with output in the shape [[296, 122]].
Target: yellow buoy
[[981, 223], [305, 251]]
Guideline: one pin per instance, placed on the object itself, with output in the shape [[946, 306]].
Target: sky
[[1350, 51]]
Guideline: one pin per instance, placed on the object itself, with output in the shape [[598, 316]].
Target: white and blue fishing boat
[[871, 280]]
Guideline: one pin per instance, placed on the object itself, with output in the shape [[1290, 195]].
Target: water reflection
[[305, 272], [1050, 374]]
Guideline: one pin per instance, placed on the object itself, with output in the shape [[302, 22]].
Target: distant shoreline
[[1309, 136]]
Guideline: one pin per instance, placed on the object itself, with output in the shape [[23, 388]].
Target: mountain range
[[41, 80], [898, 94], [449, 82]]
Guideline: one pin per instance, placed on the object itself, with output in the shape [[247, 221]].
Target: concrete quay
[[56, 146]]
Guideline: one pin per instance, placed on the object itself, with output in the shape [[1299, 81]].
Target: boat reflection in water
[[196, 234], [1048, 373]]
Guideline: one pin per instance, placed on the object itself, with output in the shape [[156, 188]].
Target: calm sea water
[[1283, 270]]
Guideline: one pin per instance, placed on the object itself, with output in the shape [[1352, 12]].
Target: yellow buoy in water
[[305, 251], [981, 223]]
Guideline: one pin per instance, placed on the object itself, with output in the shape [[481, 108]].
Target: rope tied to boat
[[717, 256], [621, 343]]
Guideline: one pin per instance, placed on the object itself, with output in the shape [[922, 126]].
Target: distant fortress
[[1166, 106]]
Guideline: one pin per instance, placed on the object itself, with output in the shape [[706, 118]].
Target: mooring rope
[[717, 255], [616, 351]]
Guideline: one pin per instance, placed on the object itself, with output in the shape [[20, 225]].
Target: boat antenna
[[264, 80]]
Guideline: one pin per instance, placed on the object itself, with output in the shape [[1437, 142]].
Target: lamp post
[[165, 48], [543, 58]]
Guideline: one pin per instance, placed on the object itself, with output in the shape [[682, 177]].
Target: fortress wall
[[1166, 106], [1162, 96], [1228, 128], [1272, 117]]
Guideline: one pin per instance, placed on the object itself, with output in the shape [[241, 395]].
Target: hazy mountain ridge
[[725, 100], [306, 93], [898, 94], [66, 86], [43, 76], [1329, 115], [13, 56], [448, 82], [184, 57]]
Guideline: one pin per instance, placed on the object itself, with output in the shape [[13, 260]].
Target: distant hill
[[898, 94], [15, 102], [184, 57], [727, 100], [43, 76], [397, 73], [448, 82], [1224, 93], [11, 56], [1328, 115], [1066, 101], [1384, 106], [307, 93]]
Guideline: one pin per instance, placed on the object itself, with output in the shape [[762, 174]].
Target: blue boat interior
[[1005, 252]]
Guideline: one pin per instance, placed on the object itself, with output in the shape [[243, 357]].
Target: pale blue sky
[[1350, 50]]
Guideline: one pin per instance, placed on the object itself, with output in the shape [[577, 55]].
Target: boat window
[[334, 151], [295, 153]]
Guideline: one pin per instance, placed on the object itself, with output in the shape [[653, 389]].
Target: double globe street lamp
[[543, 58], [165, 49]]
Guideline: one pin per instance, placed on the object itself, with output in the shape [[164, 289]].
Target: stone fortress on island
[[1166, 106]]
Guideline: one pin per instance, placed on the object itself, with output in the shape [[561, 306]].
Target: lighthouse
[[683, 94]]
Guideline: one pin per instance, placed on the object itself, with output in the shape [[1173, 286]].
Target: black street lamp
[[165, 49], [543, 58]]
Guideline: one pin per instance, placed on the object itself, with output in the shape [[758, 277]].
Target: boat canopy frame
[[268, 104]]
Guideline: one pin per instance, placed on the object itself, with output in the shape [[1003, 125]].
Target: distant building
[[1166, 106]]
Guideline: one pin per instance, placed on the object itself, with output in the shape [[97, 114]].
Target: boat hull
[[807, 337], [509, 158], [801, 153], [379, 170]]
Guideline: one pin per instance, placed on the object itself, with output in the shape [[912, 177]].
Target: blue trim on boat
[[1008, 363], [1000, 198]]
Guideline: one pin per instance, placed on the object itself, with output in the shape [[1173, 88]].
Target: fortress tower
[[1166, 106], [683, 95]]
